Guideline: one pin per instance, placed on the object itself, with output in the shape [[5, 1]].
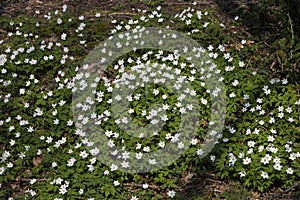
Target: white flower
[[32, 181], [125, 155], [242, 174], [2, 170], [80, 191], [276, 160], [64, 8], [54, 164], [246, 161], [165, 107], [22, 91], [145, 185], [58, 181], [264, 175], [110, 143], [272, 120], [116, 183], [182, 110], [284, 81], [63, 36], [138, 155], [251, 143], [248, 132], [152, 161], [280, 115], [241, 64], [232, 159], [71, 162], [235, 82], [256, 131], [273, 131], [146, 149], [59, 21], [62, 190], [250, 151], [113, 167], [56, 121], [161, 144], [292, 156], [290, 119], [171, 193], [289, 109], [69, 122], [106, 172], [134, 198], [49, 139], [265, 160], [194, 141], [199, 152], [180, 145], [277, 166], [164, 118], [260, 148], [83, 154], [12, 142], [203, 101], [271, 138], [289, 171]]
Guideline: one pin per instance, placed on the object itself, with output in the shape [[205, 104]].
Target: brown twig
[[285, 191], [29, 179], [204, 3], [189, 3], [267, 44], [262, 28], [249, 62], [86, 51], [121, 13], [155, 187]]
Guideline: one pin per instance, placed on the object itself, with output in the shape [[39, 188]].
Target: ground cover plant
[[47, 154]]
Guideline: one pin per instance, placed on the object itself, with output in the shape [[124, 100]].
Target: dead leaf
[[36, 161], [204, 122], [249, 42], [13, 186], [188, 177], [239, 47], [272, 65], [53, 38]]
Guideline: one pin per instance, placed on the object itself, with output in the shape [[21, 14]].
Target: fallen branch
[[189, 3], [121, 13], [285, 191], [29, 179], [205, 3], [141, 186], [249, 62]]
